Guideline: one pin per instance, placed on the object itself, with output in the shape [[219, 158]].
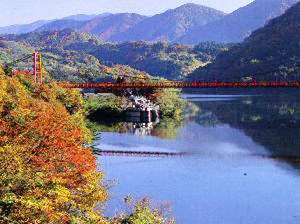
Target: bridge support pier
[[37, 70]]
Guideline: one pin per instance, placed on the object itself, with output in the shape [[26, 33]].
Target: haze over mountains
[[188, 24]]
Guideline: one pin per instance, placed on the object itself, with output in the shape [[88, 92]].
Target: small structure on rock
[[140, 109]]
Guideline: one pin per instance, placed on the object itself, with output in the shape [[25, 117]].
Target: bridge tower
[[37, 70]]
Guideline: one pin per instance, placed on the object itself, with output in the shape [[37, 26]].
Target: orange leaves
[[58, 148], [46, 168]]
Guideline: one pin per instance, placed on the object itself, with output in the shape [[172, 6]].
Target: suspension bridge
[[37, 72]]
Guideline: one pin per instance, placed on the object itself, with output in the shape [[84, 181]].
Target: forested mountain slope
[[171, 61], [238, 25], [270, 53], [170, 25]]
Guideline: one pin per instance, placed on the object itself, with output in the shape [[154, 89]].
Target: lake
[[241, 164]]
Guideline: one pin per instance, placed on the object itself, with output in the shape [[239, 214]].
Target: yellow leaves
[[3, 93], [171, 105], [45, 172], [11, 162], [59, 194], [1, 71], [143, 212], [9, 198]]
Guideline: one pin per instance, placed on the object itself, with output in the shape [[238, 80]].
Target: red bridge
[[38, 81], [181, 85]]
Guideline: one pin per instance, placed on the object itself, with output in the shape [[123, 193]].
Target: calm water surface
[[241, 166]]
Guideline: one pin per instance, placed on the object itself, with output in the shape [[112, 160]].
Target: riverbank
[[47, 175], [112, 107]]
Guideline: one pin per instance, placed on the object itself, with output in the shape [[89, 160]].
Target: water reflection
[[241, 168], [165, 128], [272, 121]]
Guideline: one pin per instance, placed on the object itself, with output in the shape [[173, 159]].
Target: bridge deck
[[181, 85]]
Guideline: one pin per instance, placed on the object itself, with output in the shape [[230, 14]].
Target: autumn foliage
[[46, 174]]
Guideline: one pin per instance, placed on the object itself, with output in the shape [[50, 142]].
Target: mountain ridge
[[37, 25], [270, 53], [166, 26], [171, 24], [239, 24], [106, 27], [187, 24]]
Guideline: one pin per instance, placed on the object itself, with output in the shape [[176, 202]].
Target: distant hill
[[54, 39], [239, 24], [167, 26], [61, 24], [270, 53], [64, 65], [67, 22], [171, 61], [106, 27], [25, 28], [171, 24], [84, 17]]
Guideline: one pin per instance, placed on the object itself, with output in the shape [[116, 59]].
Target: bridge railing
[[177, 84]]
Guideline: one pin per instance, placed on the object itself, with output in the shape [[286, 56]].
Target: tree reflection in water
[[272, 121], [165, 128]]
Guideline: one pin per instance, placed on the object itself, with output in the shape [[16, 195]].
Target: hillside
[[64, 65], [167, 26], [171, 24], [61, 24], [187, 24], [22, 28], [106, 27], [270, 53], [239, 24], [171, 61], [66, 22], [53, 39], [84, 17]]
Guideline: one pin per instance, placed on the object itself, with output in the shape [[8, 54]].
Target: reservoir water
[[241, 164]]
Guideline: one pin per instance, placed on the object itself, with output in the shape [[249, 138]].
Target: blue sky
[[26, 11]]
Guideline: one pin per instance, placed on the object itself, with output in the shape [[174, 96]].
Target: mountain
[[61, 25], [171, 61], [270, 53], [75, 22], [108, 26], [239, 24], [24, 28], [84, 17], [67, 22], [167, 26], [54, 39], [61, 64], [171, 24], [104, 26]]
